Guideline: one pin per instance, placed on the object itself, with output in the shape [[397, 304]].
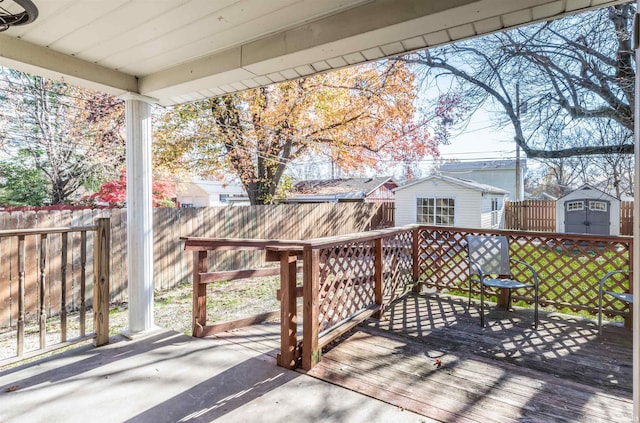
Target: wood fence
[[540, 216], [172, 265]]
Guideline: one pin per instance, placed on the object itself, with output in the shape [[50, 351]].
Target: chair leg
[[481, 304], [600, 312], [535, 310]]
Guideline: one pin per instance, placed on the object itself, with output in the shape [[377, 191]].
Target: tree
[[114, 192], [565, 71], [355, 116], [21, 184], [72, 136]]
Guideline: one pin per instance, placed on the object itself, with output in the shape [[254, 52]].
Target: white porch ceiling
[[182, 50]]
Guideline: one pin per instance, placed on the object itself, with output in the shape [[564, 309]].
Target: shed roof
[[353, 188], [466, 183], [592, 189]]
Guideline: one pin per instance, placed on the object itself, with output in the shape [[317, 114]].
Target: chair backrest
[[491, 253]]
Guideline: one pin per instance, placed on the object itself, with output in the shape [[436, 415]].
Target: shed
[[448, 201], [587, 210]]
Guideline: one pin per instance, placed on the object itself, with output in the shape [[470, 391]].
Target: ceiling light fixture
[[19, 12]]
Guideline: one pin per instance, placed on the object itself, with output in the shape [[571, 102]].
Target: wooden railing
[[202, 276], [44, 285], [349, 278], [346, 279], [569, 266]]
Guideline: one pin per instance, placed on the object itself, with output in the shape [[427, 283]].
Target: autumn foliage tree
[[359, 117], [72, 137], [114, 192]]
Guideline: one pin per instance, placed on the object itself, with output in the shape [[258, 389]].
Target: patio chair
[[490, 265], [622, 296]]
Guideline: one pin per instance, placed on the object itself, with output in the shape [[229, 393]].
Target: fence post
[[288, 312], [378, 289], [311, 353], [101, 270], [199, 319]]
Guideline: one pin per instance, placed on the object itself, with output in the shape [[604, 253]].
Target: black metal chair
[[490, 265], [622, 296]]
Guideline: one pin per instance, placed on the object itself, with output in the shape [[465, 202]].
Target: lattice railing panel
[[346, 281], [397, 251], [569, 267], [442, 258]]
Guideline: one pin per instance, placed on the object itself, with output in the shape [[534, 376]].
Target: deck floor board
[[430, 355]]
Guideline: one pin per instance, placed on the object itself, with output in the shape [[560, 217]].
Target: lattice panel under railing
[[442, 258], [346, 281], [398, 264], [569, 267]]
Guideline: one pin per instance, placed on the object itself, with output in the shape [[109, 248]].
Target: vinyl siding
[[500, 178], [468, 202], [485, 218]]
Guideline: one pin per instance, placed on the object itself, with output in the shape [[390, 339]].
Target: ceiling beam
[[22, 55]]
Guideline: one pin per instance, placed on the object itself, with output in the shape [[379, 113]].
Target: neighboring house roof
[[587, 187], [334, 189], [467, 183], [481, 165]]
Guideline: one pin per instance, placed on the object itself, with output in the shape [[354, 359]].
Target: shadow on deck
[[430, 355]]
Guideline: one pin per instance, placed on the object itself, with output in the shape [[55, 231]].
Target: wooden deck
[[430, 355]]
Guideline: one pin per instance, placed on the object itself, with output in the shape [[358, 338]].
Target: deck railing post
[[311, 353], [288, 310], [22, 252], [378, 290], [415, 254], [102, 271], [42, 282], [628, 320], [199, 319]]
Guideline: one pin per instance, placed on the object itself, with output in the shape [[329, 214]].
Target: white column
[[636, 234], [139, 213]]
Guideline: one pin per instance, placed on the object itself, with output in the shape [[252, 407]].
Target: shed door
[[587, 217]]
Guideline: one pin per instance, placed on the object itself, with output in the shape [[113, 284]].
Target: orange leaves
[[359, 116]]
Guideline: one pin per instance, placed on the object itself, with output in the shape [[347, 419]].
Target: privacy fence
[[172, 265], [540, 216]]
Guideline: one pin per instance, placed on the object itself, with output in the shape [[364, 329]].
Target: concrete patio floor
[[171, 377]]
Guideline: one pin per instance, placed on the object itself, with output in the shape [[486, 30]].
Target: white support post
[[635, 277], [139, 213]]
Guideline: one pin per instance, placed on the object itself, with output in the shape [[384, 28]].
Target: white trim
[[436, 197], [135, 96]]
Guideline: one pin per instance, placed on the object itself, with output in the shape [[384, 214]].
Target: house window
[[224, 198], [495, 212], [186, 205], [600, 206], [575, 205], [436, 211]]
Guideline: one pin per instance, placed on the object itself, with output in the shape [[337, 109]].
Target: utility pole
[[519, 193]]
